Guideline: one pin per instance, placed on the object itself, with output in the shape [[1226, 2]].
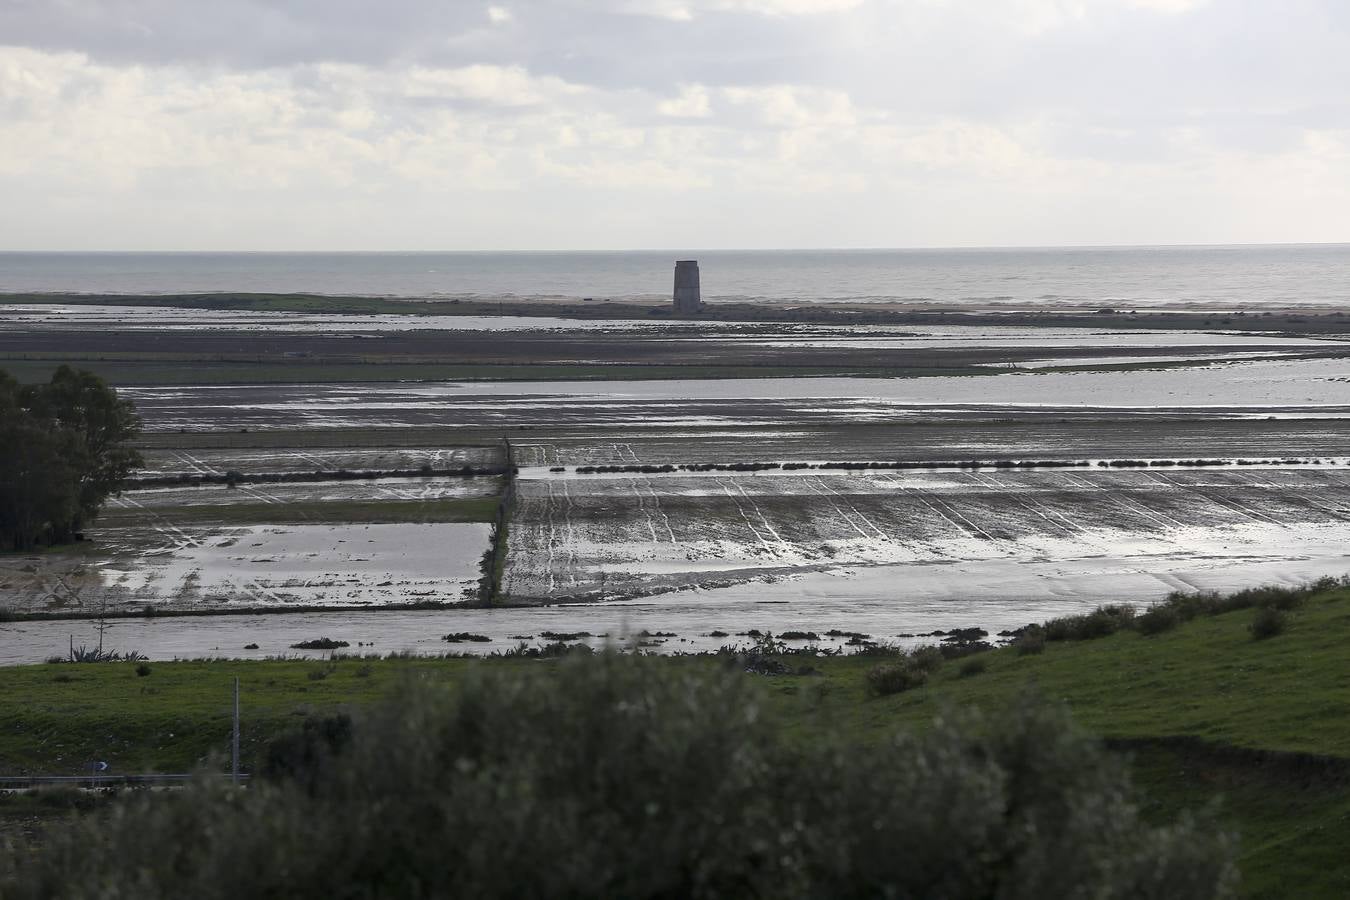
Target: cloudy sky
[[594, 124]]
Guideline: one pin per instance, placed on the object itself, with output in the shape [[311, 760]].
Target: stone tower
[[687, 297]]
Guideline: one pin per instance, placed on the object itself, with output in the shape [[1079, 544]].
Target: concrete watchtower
[[687, 296]]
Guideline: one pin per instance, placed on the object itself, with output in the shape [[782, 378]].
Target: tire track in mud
[[1163, 479], [1340, 514], [642, 508], [198, 465], [788, 548], [831, 494], [552, 580], [323, 464], [270, 499], [656, 504], [951, 515], [574, 566], [1078, 532], [1118, 497], [1064, 524], [167, 529], [748, 524]]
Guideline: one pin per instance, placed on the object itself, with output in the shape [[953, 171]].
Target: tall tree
[[62, 454]]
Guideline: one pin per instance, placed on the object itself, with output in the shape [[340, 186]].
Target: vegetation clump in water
[[323, 643]]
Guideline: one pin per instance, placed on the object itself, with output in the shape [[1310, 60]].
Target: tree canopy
[[62, 454]]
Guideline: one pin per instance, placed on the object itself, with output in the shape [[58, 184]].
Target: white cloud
[[692, 103], [567, 122]]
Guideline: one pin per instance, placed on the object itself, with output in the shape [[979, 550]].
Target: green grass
[[1207, 679], [1196, 706], [56, 718]]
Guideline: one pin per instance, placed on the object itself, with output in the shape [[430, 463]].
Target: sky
[[617, 124]]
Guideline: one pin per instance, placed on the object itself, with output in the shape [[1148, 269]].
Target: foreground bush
[[1269, 622], [894, 678], [619, 776], [1157, 619]]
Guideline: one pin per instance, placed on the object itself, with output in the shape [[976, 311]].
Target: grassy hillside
[[1207, 712]]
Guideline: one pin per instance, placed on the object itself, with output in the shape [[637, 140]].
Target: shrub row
[[1178, 607]]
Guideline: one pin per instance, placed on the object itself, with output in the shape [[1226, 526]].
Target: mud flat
[[261, 565], [997, 537], [1303, 388], [699, 556]]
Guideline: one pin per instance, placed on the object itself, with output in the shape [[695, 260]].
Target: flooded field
[[218, 461], [343, 543], [1269, 387], [364, 497], [918, 537]]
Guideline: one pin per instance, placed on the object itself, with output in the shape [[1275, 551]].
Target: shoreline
[[880, 312]]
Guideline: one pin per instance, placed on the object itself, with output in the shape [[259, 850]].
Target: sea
[[1237, 277]]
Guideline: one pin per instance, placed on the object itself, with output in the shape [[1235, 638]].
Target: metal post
[[235, 748]]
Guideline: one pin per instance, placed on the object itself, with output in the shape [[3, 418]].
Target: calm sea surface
[[1240, 276]]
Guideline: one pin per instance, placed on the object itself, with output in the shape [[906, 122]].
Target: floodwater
[[167, 565], [1308, 386], [884, 605], [996, 537]]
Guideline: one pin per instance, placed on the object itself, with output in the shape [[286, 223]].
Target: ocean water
[[1312, 275]]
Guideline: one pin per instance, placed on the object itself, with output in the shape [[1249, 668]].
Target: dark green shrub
[[973, 666], [323, 643], [1103, 621], [1189, 605], [1030, 643], [142, 670], [1157, 619], [304, 756], [926, 659], [615, 776], [895, 678], [1269, 622]]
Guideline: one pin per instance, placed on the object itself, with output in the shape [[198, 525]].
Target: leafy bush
[[973, 666], [926, 659], [1103, 621], [1269, 622], [617, 776], [895, 678], [142, 670], [1030, 643], [1157, 619]]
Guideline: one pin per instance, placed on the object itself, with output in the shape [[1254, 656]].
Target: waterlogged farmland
[[679, 484], [927, 538]]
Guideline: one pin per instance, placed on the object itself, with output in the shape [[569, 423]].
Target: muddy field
[[1000, 536], [317, 520], [340, 544], [135, 346]]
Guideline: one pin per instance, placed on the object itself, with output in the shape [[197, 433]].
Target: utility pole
[[235, 748]]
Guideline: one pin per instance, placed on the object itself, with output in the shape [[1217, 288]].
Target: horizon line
[[676, 250]]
